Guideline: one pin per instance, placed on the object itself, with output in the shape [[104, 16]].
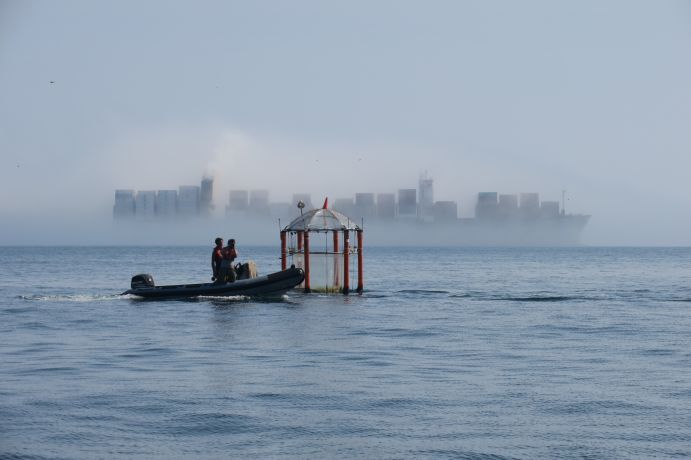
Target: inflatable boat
[[274, 284]]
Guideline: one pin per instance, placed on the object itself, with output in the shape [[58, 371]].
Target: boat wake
[[72, 297], [225, 299]]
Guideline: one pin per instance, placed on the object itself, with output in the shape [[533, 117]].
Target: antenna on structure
[[301, 206]]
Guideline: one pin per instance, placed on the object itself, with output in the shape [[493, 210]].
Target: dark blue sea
[[458, 353]]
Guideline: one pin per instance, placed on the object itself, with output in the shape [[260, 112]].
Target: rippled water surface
[[450, 353]]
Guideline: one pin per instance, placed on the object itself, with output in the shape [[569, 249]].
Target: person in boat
[[228, 273], [216, 259]]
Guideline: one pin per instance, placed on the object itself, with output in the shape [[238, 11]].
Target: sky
[[591, 97]]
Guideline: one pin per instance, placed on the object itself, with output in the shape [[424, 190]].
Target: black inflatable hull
[[275, 284]]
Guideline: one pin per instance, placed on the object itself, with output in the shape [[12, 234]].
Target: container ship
[[409, 216]]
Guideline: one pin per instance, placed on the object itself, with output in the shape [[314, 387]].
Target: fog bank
[[333, 99]]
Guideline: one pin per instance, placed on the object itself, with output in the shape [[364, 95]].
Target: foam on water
[[230, 298], [74, 297]]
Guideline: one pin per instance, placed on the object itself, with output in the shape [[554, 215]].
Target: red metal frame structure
[[324, 221]]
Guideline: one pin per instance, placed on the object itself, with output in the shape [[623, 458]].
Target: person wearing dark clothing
[[216, 259]]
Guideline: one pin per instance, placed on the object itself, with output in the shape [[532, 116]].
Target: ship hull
[[561, 231]]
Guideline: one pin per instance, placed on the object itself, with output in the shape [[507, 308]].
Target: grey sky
[[335, 97]]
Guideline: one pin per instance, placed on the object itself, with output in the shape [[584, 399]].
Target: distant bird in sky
[[51, 82]]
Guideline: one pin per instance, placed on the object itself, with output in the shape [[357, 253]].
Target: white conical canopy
[[321, 220]]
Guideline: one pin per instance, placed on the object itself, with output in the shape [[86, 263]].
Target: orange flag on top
[[326, 203]]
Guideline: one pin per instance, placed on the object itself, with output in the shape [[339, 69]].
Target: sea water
[[472, 353]]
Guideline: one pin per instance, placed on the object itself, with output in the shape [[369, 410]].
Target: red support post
[[336, 280], [307, 261], [360, 283], [346, 262], [284, 262]]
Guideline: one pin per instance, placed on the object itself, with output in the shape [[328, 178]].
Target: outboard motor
[[142, 281]]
